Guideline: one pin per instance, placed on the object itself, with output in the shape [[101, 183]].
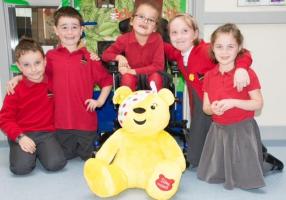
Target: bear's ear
[[120, 94], [167, 96]]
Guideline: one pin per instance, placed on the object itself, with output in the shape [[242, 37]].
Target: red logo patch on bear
[[164, 183]]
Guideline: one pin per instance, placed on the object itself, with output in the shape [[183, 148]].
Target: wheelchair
[[177, 126]]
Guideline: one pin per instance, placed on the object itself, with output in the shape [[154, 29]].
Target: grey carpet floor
[[69, 184]]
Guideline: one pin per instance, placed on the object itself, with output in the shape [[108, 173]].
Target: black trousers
[[48, 151], [77, 143]]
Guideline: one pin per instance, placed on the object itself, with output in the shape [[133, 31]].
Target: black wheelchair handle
[[112, 66], [174, 67]]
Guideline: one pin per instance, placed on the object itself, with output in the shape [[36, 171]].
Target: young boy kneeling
[[27, 116]]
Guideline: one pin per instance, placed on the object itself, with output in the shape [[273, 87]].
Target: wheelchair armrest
[[174, 67], [112, 66]]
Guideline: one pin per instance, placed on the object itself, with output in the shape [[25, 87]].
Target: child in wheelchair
[[140, 51]]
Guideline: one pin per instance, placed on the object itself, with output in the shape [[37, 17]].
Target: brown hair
[[152, 3], [190, 21], [67, 11], [157, 5], [227, 28], [25, 45]]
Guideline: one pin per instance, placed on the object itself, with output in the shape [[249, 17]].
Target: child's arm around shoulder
[[12, 84], [241, 77], [171, 52], [244, 60]]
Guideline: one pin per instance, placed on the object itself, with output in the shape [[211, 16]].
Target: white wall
[[231, 6], [2, 137], [267, 43]]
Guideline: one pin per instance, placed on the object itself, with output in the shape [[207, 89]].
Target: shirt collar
[[186, 56], [217, 72], [64, 49], [31, 83]]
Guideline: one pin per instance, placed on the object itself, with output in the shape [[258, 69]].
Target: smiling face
[[225, 49], [182, 35], [144, 20], [69, 31], [141, 114], [32, 65]]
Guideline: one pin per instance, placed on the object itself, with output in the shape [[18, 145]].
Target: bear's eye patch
[[153, 106]]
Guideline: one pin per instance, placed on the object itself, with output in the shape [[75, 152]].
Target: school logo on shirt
[[83, 59], [192, 77]]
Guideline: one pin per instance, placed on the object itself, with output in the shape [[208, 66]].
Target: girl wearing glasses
[[140, 51]]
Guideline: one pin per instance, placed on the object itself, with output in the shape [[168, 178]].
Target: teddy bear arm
[[172, 150], [109, 149]]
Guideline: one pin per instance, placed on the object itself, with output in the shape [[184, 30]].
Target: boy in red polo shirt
[[74, 76], [27, 116]]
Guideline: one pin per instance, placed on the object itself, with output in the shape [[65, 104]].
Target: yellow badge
[[191, 77]]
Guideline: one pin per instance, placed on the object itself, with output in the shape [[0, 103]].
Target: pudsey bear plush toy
[[140, 154]]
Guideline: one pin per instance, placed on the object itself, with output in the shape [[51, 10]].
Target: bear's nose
[[139, 110]]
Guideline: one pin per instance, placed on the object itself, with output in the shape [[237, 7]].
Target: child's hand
[[215, 108], [241, 79], [123, 70], [92, 104], [122, 61], [27, 144], [126, 70], [94, 56], [225, 104], [12, 84]]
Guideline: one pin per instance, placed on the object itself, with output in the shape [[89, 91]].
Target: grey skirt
[[232, 155]]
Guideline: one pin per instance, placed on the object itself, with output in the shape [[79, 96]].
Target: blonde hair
[[190, 21]]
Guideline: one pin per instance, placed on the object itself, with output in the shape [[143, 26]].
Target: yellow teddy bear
[[140, 154]]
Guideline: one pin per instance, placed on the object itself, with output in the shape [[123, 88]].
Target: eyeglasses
[[145, 19]]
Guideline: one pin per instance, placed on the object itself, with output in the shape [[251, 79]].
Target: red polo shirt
[[199, 62], [74, 77], [220, 86], [29, 109], [145, 59]]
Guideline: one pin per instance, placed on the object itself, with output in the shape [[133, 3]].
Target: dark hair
[[25, 45], [67, 11], [153, 4], [227, 28], [190, 21]]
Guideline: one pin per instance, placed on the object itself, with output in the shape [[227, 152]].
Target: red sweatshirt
[[30, 109], [145, 59]]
